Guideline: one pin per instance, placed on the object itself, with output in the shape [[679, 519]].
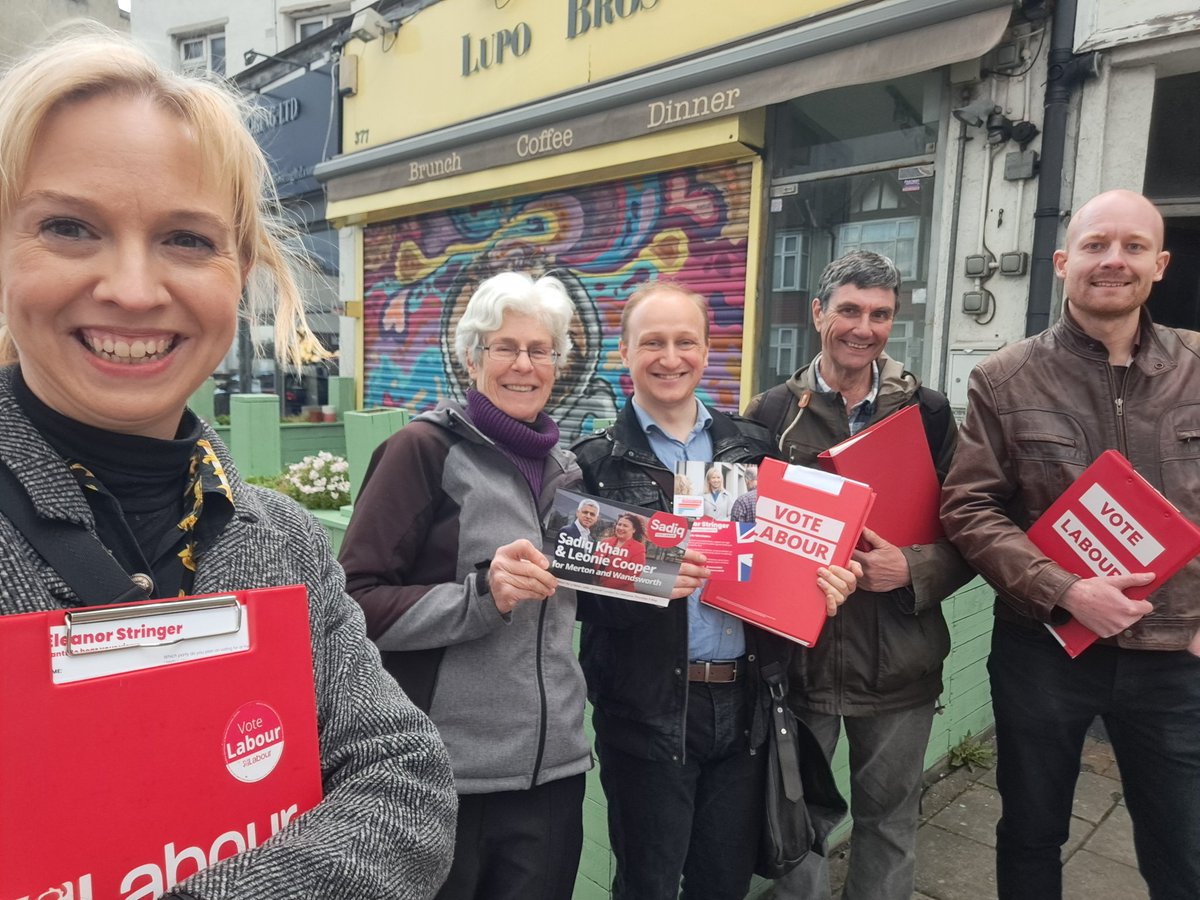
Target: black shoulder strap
[[776, 412], [77, 555], [935, 415]]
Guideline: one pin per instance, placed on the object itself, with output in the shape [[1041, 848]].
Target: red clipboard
[[143, 742], [806, 519], [892, 456], [1111, 521]]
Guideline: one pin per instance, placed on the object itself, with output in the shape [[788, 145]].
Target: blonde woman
[[135, 213]]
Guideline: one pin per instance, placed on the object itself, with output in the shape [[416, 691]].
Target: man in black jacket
[[679, 708], [877, 668]]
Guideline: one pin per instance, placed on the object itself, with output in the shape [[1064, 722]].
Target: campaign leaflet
[[719, 498], [728, 548], [614, 549]]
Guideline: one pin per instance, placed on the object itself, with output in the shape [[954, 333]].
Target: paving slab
[[972, 814], [1095, 796], [1088, 876], [1098, 757], [940, 793], [1113, 838], [953, 867]]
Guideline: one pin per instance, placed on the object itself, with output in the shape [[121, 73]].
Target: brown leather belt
[[713, 672]]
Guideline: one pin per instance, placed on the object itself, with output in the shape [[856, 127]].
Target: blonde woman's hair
[[86, 61]]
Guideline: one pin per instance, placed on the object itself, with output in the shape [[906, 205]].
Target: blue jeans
[[696, 818], [1044, 702], [887, 765]]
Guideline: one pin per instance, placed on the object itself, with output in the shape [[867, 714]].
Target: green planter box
[[300, 439]]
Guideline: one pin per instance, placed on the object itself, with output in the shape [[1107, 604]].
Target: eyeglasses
[[507, 353]]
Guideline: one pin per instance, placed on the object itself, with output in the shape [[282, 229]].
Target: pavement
[[957, 837]]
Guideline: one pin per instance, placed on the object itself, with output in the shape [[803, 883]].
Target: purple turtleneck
[[526, 444]]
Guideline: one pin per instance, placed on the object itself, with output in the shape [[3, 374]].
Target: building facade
[[614, 142], [25, 22], [218, 35]]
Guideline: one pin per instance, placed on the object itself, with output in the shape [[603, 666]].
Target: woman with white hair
[[443, 555]]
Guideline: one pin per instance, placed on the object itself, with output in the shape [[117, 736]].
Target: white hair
[[546, 300]]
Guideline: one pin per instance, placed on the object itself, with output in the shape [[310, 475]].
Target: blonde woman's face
[[121, 275]]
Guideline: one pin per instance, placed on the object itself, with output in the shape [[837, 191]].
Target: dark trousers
[[1044, 702], [696, 818], [518, 845]]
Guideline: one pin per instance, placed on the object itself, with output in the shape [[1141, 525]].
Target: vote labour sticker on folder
[[806, 519], [141, 743], [1111, 521]]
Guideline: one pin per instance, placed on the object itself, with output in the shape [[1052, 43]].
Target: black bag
[[803, 804]]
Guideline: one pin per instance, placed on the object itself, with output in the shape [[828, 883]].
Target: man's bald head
[[1119, 202], [1112, 257]]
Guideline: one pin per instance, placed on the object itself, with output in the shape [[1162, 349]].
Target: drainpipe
[[1065, 70]]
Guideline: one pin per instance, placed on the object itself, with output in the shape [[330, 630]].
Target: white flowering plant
[[318, 482]]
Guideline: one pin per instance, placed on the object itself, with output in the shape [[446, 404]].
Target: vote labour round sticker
[[253, 742]]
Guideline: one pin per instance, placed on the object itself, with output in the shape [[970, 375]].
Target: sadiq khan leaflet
[[614, 549]]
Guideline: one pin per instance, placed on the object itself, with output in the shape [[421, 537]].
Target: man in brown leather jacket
[[1103, 377]]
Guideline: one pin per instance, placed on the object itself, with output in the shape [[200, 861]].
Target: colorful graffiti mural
[[603, 241]]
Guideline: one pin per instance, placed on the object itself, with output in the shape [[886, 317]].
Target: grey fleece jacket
[[386, 826], [505, 691]]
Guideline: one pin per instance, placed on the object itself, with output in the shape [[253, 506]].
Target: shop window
[[202, 53], [850, 169], [897, 239], [902, 343], [791, 261], [784, 345]]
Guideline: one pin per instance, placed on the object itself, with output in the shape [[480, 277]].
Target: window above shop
[[858, 125], [202, 52], [307, 19]]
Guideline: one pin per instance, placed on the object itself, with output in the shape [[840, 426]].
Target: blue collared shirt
[[859, 415], [712, 634]]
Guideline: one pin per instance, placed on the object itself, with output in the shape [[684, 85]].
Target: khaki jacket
[[883, 652]]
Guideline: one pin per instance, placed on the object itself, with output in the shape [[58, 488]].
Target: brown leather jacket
[[1039, 412]]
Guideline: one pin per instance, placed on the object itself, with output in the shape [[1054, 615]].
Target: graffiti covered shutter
[[601, 240]]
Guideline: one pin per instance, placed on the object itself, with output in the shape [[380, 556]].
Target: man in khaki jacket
[[1040, 411], [877, 669]]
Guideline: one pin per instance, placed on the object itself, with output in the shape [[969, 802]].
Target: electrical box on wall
[[976, 303], [959, 370], [1020, 165], [347, 75], [1015, 262], [975, 266]]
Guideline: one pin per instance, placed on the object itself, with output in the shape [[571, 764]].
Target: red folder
[[806, 519], [892, 456], [1111, 521], [198, 743]]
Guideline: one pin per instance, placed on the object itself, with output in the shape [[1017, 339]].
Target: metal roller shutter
[[602, 240]]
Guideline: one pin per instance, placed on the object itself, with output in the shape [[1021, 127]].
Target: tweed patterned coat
[[386, 826]]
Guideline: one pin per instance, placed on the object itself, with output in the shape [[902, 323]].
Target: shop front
[[662, 140]]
